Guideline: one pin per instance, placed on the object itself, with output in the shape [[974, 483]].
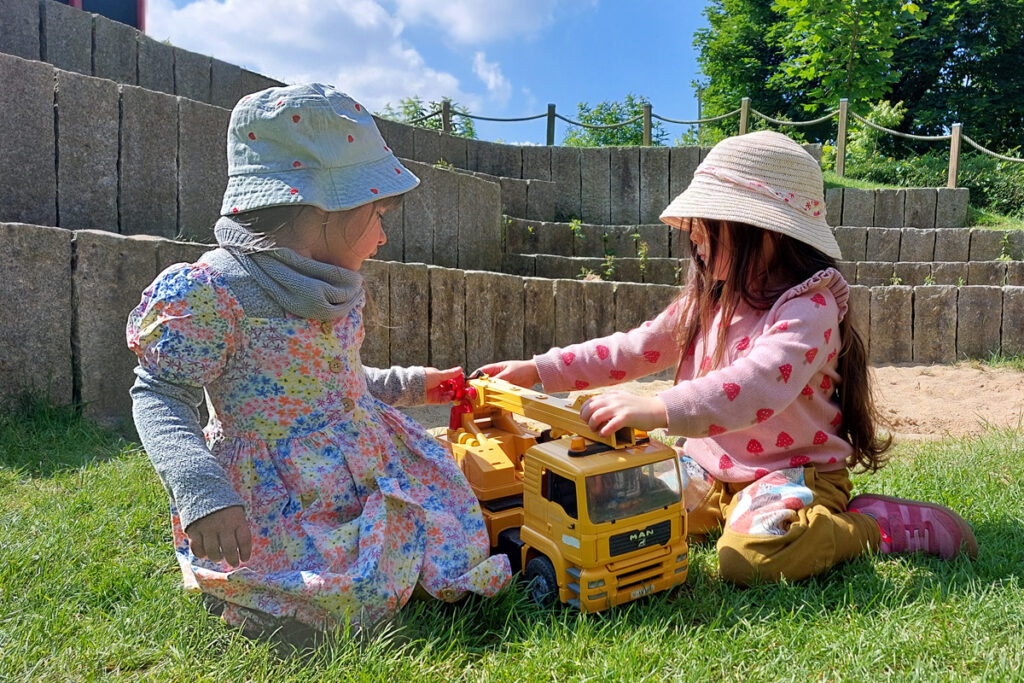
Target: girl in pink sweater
[[771, 389]]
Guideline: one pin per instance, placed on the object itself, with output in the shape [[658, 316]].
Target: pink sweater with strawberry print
[[770, 405]]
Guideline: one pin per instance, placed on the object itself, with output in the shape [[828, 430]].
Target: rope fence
[[745, 111]]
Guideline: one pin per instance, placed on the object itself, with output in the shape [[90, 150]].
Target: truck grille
[[627, 542]]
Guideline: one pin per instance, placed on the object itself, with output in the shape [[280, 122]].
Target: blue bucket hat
[[308, 144]]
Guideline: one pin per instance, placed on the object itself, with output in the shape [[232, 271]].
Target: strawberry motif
[[602, 351], [743, 344], [294, 191], [358, 108], [252, 136], [764, 414], [818, 299], [832, 459], [351, 139], [617, 374], [784, 440], [837, 419], [296, 118], [828, 334], [398, 171], [652, 356], [810, 355], [820, 437], [374, 190], [731, 390], [807, 391], [799, 461], [832, 355], [705, 364], [783, 326], [725, 463], [826, 383], [786, 370], [580, 384], [760, 472], [297, 164], [754, 446], [715, 430], [568, 357]]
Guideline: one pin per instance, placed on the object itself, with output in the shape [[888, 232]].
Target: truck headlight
[[595, 584]]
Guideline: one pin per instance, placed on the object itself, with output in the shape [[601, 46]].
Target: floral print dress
[[350, 503]]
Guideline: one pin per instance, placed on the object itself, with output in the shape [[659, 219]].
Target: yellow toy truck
[[591, 521]]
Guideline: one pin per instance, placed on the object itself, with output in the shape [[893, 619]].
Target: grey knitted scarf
[[301, 286]]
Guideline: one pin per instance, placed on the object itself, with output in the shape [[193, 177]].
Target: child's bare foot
[[910, 526]]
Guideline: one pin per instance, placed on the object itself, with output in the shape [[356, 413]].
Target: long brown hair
[[764, 264]]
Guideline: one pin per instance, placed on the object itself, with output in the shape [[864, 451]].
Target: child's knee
[[746, 568]]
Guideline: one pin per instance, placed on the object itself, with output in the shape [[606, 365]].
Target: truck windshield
[[632, 491]]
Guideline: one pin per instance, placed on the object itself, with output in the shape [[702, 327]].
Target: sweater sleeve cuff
[[550, 376]]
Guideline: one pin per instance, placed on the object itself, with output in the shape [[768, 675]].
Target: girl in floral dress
[[309, 497]]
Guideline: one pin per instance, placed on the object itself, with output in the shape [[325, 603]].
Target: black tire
[[541, 581]]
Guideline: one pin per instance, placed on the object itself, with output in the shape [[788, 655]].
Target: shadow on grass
[[39, 440]]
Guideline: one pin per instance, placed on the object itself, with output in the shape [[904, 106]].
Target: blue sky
[[500, 58]]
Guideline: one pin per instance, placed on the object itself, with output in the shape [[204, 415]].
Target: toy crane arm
[[557, 412]]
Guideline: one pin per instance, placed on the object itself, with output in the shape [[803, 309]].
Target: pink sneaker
[[909, 526]]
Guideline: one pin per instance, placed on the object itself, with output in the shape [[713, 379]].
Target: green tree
[[946, 60], [609, 113], [412, 108]]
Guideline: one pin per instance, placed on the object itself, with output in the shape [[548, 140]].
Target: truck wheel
[[541, 581]]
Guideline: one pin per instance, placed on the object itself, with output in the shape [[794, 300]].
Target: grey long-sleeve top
[[167, 414]]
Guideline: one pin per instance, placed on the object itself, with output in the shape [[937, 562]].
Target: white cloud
[[356, 45], [490, 74], [482, 21]]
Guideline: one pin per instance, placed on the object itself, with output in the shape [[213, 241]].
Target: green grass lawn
[[89, 589]]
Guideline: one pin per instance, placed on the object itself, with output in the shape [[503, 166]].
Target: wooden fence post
[[844, 106], [954, 155], [744, 114], [647, 125], [551, 125], [446, 116]]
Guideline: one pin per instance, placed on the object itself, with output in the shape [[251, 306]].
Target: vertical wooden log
[[954, 154], [844, 108], [744, 114]]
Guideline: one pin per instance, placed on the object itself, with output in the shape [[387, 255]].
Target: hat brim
[[707, 197], [331, 189]]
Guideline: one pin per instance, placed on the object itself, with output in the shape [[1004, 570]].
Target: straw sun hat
[[763, 179], [308, 144]]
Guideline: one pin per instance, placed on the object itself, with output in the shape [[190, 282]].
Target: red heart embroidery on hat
[[764, 414], [799, 461], [783, 326], [234, 209], [784, 440], [760, 472], [818, 299], [810, 355], [296, 118], [731, 390], [398, 170], [617, 374], [820, 437], [715, 430], [602, 351], [297, 164], [580, 384], [351, 139], [252, 136], [754, 446], [568, 357], [374, 190], [743, 344], [294, 191], [358, 108], [280, 102], [652, 356], [786, 370], [828, 334], [832, 459], [725, 462], [386, 148]]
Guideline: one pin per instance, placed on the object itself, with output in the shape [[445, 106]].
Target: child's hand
[[221, 535], [522, 373], [434, 378], [614, 410]]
